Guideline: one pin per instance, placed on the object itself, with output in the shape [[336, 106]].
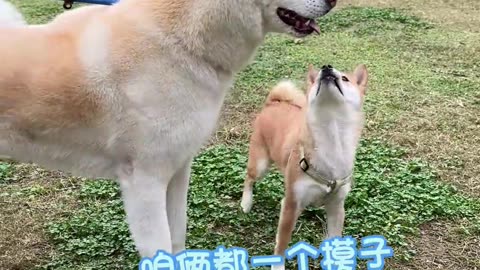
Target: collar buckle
[[304, 165]]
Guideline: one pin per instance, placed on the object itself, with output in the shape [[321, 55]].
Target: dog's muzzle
[[318, 8], [328, 76]]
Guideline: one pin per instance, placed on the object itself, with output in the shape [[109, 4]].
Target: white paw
[[247, 202]]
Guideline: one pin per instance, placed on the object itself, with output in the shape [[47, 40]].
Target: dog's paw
[[246, 203]]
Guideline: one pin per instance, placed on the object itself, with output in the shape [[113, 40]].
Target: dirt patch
[[29, 200], [446, 133], [443, 245]]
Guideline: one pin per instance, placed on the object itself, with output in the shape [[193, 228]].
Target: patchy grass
[[423, 91], [39, 11], [29, 198], [392, 196], [444, 244], [456, 15], [5, 172], [423, 95]]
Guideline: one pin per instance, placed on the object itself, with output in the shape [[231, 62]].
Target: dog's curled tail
[[287, 92], [9, 15]]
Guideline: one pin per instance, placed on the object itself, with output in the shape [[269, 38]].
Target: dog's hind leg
[[258, 164], [177, 206], [145, 198]]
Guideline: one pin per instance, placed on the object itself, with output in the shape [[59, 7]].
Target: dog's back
[[277, 127], [275, 132]]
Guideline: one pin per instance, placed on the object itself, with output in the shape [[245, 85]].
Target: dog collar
[[334, 184]]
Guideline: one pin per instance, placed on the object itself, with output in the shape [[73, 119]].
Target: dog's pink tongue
[[314, 26]]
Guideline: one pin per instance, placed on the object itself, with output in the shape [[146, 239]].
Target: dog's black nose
[[327, 67], [328, 73]]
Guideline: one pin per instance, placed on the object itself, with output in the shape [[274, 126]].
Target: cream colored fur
[[286, 92], [130, 92], [9, 15]]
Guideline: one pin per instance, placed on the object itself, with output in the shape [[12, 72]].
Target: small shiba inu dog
[[132, 92], [312, 138]]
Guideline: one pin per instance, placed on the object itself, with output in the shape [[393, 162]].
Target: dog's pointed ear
[[361, 75], [312, 75]]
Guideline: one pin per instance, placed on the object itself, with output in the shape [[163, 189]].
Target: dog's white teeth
[[312, 24]]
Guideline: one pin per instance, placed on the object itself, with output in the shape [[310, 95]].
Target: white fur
[[247, 197], [9, 16], [160, 111], [247, 200], [93, 50], [262, 166], [334, 121]]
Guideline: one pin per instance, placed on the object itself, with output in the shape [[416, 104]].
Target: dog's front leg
[[335, 219], [335, 208], [177, 206], [288, 218], [144, 194]]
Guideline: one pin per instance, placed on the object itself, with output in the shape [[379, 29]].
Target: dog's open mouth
[[330, 78], [299, 23]]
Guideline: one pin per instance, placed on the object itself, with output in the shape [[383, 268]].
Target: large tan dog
[[131, 92], [312, 139]]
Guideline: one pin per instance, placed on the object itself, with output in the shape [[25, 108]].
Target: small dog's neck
[[334, 136]]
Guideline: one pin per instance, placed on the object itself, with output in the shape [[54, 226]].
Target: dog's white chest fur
[[174, 110], [334, 141], [333, 154], [310, 192]]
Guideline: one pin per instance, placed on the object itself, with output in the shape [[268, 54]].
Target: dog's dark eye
[[345, 79]]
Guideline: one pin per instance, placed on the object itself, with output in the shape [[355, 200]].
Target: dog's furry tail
[[287, 92], [9, 15]]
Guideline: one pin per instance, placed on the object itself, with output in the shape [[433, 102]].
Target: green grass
[[391, 197], [5, 172], [363, 21], [39, 11], [423, 78]]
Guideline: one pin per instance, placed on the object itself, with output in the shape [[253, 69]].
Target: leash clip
[[332, 185], [67, 4]]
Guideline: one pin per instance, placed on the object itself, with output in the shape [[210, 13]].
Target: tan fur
[[29, 96], [171, 12], [280, 124], [286, 92], [289, 212]]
